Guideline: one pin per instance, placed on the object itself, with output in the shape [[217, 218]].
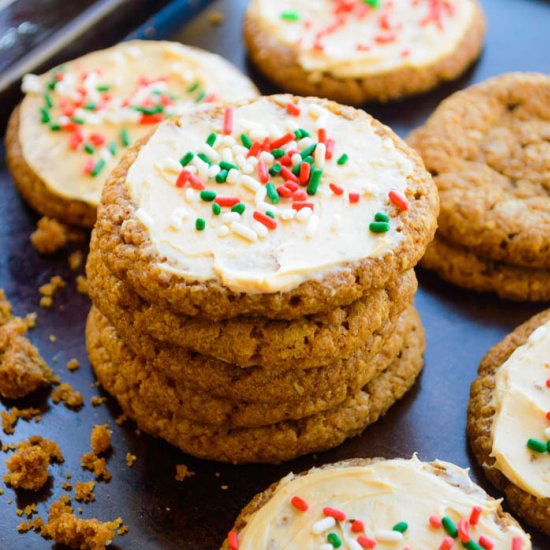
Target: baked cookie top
[[356, 38], [521, 424], [77, 119], [367, 503], [268, 194]]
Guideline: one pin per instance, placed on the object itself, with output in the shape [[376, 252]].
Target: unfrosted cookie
[[274, 443], [357, 51], [509, 419], [463, 268], [77, 120], [488, 148], [307, 206], [302, 343], [367, 503]]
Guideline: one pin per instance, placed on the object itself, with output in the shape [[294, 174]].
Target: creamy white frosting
[[236, 249], [522, 400], [365, 40], [379, 495], [186, 74]]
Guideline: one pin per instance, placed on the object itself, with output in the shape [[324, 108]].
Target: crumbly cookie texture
[[488, 151], [360, 52], [385, 202], [483, 412], [363, 503], [100, 439], [462, 267]]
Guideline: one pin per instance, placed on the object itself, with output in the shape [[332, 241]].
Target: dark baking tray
[[195, 514]]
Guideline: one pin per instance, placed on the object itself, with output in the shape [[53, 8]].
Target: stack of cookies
[[256, 305]]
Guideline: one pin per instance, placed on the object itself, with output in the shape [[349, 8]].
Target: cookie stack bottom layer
[[139, 395]]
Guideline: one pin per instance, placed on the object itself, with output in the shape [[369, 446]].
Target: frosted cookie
[[77, 120], [509, 419], [281, 207], [368, 503], [363, 50]]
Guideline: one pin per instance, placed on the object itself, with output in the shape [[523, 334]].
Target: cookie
[[488, 149], [463, 268], [509, 419], [344, 209], [368, 502], [270, 444], [303, 343], [77, 120], [180, 393], [363, 51]]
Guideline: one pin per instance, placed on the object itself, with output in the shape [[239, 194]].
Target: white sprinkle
[[223, 231], [233, 176], [388, 536], [239, 150], [537, 334], [202, 167], [144, 218], [258, 135], [287, 214], [227, 155], [304, 214], [248, 168], [326, 547], [292, 145], [264, 207], [105, 154], [315, 110], [353, 544], [250, 183], [305, 142], [243, 231], [323, 525], [190, 195], [260, 195], [210, 152], [240, 161], [178, 215], [319, 155], [312, 225], [64, 120], [214, 170], [267, 157], [296, 159], [252, 160], [169, 165], [335, 223], [260, 229], [31, 84], [230, 217], [228, 140]]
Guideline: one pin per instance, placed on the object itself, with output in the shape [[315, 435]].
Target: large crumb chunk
[[65, 392], [22, 368], [75, 260], [49, 236], [49, 289], [9, 419], [182, 471], [84, 491], [100, 439], [82, 285], [95, 464]]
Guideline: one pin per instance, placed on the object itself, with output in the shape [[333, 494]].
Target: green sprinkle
[[275, 169], [187, 158], [207, 195], [89, 149], [221, 176], [272, 193], [296, 169], [334, 539], [113, 148], [224, 165], [400, 527], [211, 139], [372, 3], [200, 97], [200, 224], [194, 86], [246, 141], [301, 133], [55, 126], [308, 151], [379, 227], [77, 120], [149, 110], [52, 85], [290, 16], [103, 87], [98, 167], [309, 160], [548, 445], [239, 208], [90, 107], [48, 100], [314, 181], [124, 137], [204, 158], [278, 153], [216, 209], [269, 213], [45, 115], [343, 159], [449, 526], [536, 445], [472, 545], [381, 217]]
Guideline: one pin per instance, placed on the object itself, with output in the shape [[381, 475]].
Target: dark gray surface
[[164, 514]]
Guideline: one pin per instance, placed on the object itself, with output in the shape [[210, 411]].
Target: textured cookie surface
[[362, 52], [363, 503], [274, 443], [360, 211], [76, 121], [488, 149], [509, 402]]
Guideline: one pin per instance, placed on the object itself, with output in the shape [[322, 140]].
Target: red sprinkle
[[299, 195], [475, 515], [254, 149], [266, 144], [297, 502], [330, 149], [463, 532], [399, 200], [447, 544], [227, 201], [305, 170], [293, 109], [151, 119], [287, 175], [321, 135], [333, 512], [435, 521], [196, 182], [517, 544], [263, 174], [299, 206], [354, 198], [284, 191], [336, 189], [292, 185], [270, 223], [228, 121], [233, 540], [548, 415], [366, 542], [286, 160], [385, 38], [486, 543], [182, 178], [548, 383], [357, 526], [282, 141], [97, 139], [89, 166]]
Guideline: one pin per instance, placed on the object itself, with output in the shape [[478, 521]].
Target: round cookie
[[356, 221], [274, 443], [180, 393], [307, 342], [77, 120], [509, 419], [463, 268], [488, 150], [368, 502], [363, 51]]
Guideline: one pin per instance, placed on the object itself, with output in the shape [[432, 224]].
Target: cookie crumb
[[120, 419], [182, 471], [75, 260], [67, 486], [130, 459], [9, 419], [100, 439], [49, 290], [50, 236], [215, 17], [96, 400], [73, 365], [37, 523], [64, 392], [84, 491], [122, 530], [82, 285], [52, 338], [98, 465]]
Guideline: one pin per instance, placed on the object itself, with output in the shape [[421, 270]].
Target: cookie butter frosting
[[522, 404], [77, 120], [393, 504], [357, 38], [292, 192]]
